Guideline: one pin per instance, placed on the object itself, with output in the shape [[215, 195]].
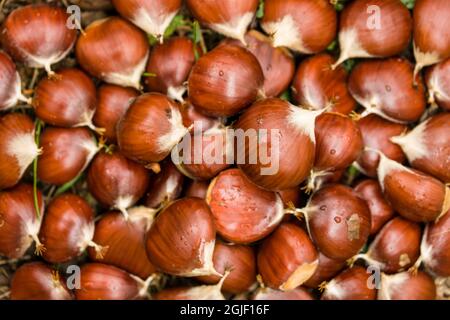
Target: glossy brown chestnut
[[239, 260], [242, 211], [11, 85], [427, 146], [326, 270], [125, 240], [150, 128], [19, 223], [291, 197], [413, 194], [114, 51], [112, 103], [431, 36], [151, 16], [396, 247], [67, 229], [380, 210], [437, 79], [66, 152], [17, 148], [287, 258], [351, 284], [270, 294], [37, 281], [407, 286], [318, 86], [282, 129], [191, 116], [373, 28], [230, 18], [165, 187], [104, 282], [387, 88], [196, 188], [117, 182], [67, 100], [377, 133], [171, 62], [186, 230], [277, 64], [211, 292], [290, 27], [225, 81], [338, 221], [38, 35]]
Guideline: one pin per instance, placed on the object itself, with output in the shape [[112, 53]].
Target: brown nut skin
[[10, 87], [191, 117], [407, 286], [427, 146], [437, 79], [225, 81], [377, 133], [117, 38], [270, 294], [339, 221], [304, 33], [115, 181], [204, 292], [287, 258], [113, 102], [67, 228], [104, 282], [198, 189], [66, 152], [351, 284], [288, 128], [277, 64], [388, 88], [186, 229], [37, 35], [37, 281], [150, 128], [240, 260], [243, 212], [317, 86], [380, 210], [66, 100], [125, 241], [19, 222], [18, 148], [326, 270]]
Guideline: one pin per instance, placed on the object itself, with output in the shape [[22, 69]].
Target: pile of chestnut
[[93, 205]]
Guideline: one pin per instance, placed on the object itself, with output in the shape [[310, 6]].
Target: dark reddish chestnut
[[198, 189], [437, 79], [191, 117], [270, 294], [11, 86], [326, 270], [407, 286]]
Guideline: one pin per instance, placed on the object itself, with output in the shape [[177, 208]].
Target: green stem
[[35, 163], [67, 185]]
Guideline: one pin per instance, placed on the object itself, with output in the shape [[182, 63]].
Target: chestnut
[[113, 37], [225, 81], [318, 86], [11, 86], [196, 188], [66, 100], [19, 222], [365, 33], [388, 88], [437, 80], [327, 269], [150, 128], [18, 148], [407, 286], [37, 281], [67, 229], [153, 17], [270, 294], [117, 182], [125, 240], [290, 27], [427, 146], [186, 229], [377, 133], [37, 35], [291, 197], [239, 260], [112, 103], [66, 152], [191, 117], [171, 62], [104, 282], [380, 210], [287, 258], [350, 284], [242, 211]]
